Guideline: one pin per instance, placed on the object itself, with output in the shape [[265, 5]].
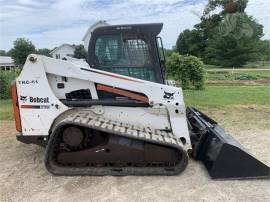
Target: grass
[[219, 96], [233, 75], [253, 65], [6, 110], [247, 66]]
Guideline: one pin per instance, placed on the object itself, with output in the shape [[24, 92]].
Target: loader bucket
[[222, 155]]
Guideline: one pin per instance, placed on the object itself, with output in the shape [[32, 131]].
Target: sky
[[50, 23]]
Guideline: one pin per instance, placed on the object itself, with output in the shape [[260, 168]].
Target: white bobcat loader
[[114, 115]]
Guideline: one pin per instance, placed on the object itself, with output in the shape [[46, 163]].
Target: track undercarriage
[[85, 144]]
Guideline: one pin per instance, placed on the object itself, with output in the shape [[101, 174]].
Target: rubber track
[[90, 120]]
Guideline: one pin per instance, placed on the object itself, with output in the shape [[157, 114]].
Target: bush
[[189, 70], [5, 83], [246, 77]]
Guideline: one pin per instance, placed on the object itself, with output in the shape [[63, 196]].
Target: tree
[[189, 70], [22, 48], [193, 42], [229, 38], [168, 52], [264, 50], [3, 53], [235, 41], [190, 42], [227, 6], [80, 52], [44, 51]]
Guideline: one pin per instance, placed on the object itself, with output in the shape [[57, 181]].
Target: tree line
[[23, 47], [225, 36]]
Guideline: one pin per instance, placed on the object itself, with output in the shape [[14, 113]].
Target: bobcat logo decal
[[23, 98], [168, 96]]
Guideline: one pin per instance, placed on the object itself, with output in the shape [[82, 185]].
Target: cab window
[[125, 54]]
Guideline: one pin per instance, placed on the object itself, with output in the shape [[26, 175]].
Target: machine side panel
[[154, 118], [37, 103], [158, 94]]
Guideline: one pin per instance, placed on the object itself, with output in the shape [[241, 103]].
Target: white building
[[7, 63], [87, 36], [63, 51]]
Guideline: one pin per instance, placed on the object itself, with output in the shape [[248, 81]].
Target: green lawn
[[219, 96], [6, 110]]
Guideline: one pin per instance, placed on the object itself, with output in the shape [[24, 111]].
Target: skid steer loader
[[115, 114]]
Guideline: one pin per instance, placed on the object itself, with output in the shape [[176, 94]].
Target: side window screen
[[108, 50], [136, 52], [125, 54]]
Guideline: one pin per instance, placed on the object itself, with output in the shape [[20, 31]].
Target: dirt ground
[[23, 176]]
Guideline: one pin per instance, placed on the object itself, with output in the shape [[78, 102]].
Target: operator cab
[[130, 50]]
